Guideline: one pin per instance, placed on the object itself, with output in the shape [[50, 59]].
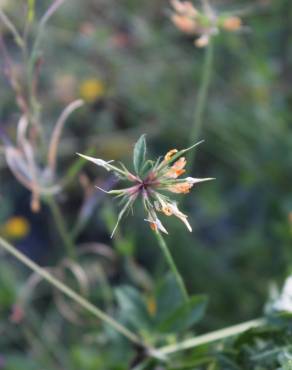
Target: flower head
[[151, 181], [203, 23]]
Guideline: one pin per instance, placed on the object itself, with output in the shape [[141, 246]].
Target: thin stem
[[164, 248], [70, 293], [212, 337], [202, 99], [60, 224], [18, 39]]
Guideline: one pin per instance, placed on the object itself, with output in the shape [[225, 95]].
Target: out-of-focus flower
[[203, 23], [91, 90], [16, 227], [284, 301], [232, 23], [150, 181], [23, 158]]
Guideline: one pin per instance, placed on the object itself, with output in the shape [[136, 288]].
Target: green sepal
[[139, 154]]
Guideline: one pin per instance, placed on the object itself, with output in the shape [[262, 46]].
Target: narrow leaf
[[139, 154]]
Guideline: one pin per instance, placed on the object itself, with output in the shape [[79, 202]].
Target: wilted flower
[[204, 23], [150, 182], [23, 158]]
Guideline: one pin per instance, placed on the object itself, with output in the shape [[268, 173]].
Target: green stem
[[7, 22], [70, 293], [164, 248], [201, 99], [60, 224], [211, 337]]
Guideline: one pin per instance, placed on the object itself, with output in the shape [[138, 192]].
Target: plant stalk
[[212, 337], [201, 100], [164, 248], [62, 229]]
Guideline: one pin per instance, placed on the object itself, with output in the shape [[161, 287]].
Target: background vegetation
[[138, 74]]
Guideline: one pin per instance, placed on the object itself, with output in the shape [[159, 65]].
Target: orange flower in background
[[232, 24], [204, 23], [184, 24]]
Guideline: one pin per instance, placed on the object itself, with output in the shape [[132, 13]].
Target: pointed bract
[[97, 161]]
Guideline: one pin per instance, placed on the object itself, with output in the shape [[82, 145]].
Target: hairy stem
[[202, 99], [164, 248], [211, 337], [60, 225], [70, 293]]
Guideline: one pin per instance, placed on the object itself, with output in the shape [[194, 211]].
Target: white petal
[[160, 226], [193, 180], [97, 161], [284, 301], [186, 222], [158, 223], [181, 216]]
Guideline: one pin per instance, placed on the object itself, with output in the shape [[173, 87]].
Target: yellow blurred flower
[[16, 227], [91, 90]]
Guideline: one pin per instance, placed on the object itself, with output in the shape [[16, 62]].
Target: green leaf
[[147, 166], [139, 154], [186, 315], [132, 308], [168, 296]]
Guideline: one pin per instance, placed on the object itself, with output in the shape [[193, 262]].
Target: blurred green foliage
[[145, 77]]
